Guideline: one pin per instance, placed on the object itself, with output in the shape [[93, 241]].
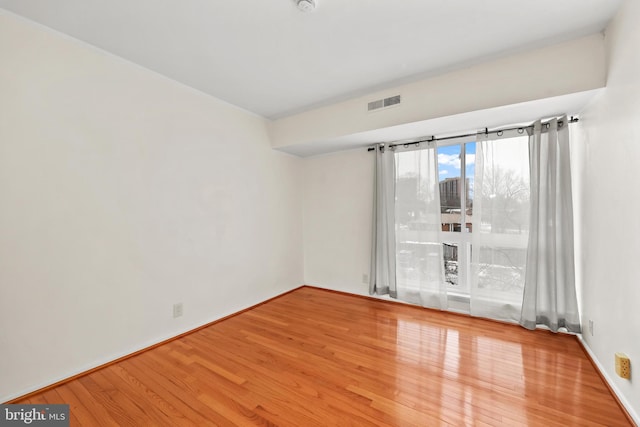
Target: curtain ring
[[548, 125], [520, 131], [499, 133], [406, 145]]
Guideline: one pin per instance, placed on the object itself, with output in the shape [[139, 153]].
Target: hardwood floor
[[315, 357]]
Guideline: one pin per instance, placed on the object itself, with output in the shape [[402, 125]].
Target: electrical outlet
[[590, 327], [177, 310], [623, 366], [365, 278]]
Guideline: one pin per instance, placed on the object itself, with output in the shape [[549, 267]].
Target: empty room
[[319, 212]]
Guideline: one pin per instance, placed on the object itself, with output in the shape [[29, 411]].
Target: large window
[[465, 202]]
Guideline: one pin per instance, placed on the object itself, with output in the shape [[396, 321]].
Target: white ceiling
[[267, 57]]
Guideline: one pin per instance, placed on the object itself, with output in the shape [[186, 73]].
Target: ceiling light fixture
[[306, 5]]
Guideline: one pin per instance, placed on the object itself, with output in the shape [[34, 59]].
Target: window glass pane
[[450, 187], [470, 171], [505, 187], [450, 253]]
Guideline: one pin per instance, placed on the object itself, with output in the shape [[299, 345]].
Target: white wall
[[609, 149], [574, 66], [338, 196], [122, 193]]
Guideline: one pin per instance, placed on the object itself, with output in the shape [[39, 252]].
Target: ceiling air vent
[[383, 103]]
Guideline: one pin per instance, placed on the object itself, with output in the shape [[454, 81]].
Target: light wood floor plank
[[318, 358]]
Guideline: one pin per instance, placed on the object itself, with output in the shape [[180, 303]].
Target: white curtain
[[550, 293], [500, 225], [382, 278], [419, 256]]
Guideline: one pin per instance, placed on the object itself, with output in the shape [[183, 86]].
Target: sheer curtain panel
[[419, 256], [550, 292], [500, 226], [382, 278]]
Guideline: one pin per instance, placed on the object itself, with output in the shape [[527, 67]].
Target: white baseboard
[[621, 398]]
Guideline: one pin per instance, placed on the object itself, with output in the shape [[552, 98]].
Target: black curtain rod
[[445, 138]]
